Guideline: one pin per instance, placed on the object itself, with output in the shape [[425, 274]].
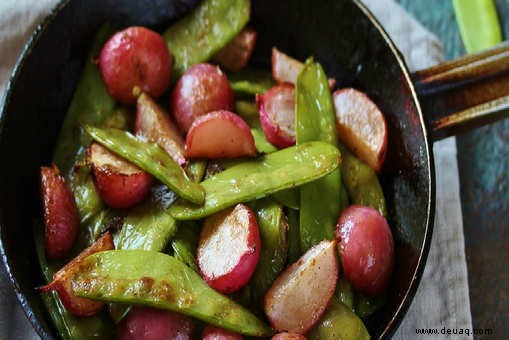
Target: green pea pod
[[290, 198], [315, 121], [294, 252], [274, 228], [196, 170], [69, 327], [246, 109], [208, 28], [250, 81], [339, 322], [149, 157], [254, 179], [365, 306], [344, 201], [155, 279], [261, 143], [184, 245], [361, 182], [344, 292]]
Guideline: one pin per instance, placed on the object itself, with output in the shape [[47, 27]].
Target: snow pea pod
[[365, 306], [258, 178], [294, 252], [261, 143], [159, 280], [339, 322], [315, 121], [289, 198], [185, 243], [196, 170], [208, 28], [344, 292], [250, 81], [361, 182], [149, 157], [246, 109]]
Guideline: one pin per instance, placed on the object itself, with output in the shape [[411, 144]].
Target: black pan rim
[[430, 211]]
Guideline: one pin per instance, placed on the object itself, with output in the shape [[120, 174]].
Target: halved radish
[[201, 89], [146, 323], [361, 126], [61, 218], [288, 336], [155, 124], [220, 134], [367, 249], [300, 295], [286, 69], [121, 184], [229, 248], [236, 54], [62, 280], [277, 115], [216, 333]]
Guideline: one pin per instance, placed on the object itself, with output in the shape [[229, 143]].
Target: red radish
[[62, 280], [61, 218], [286, 69], [288, 336], [155, 124], [361, 126], [146, 323], [229, 248], [277, 115], [367, 249], [301, 293], [235, 55], [135, 57], [220, 134], [202, 89], [216, 333], [120, 184]]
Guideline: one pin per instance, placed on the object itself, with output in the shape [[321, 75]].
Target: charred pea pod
[[159, 280], [315, 121], [361, 182], [208, 28]]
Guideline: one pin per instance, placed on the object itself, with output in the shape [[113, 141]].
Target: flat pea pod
[[69, 327], [151, 158], [155, 279], [361, 182], [246, 109], [261, 143], [196, 170], [365, 306], [208, 28], [294, 252], [258, 178], [184, 244], [274, 228], [339, 322], [250, 81], [290, 198], [315, 121], [344, 292]]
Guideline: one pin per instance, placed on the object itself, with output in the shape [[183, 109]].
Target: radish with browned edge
[[235, 55], [277, 115], [147, 323], [155, 124], [120, 184], [202, 89], [229, 248], [62, 280], [220, 134], [61, 218], [301, 293], [135, 57], [361, 126], [217, 333], [288, 336], [367, 249]]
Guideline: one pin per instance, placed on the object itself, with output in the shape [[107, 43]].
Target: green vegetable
[[158, 280], [361, 182], [250, 81], [478, 24], [294, 252], [151, 158], [208, 28], [254, 179], [344, 292], [315, 121], [261, 143], [289, 198], [196, 170], [339, 322], [365, 306], [246, 109], [274, 228], [185, 243]]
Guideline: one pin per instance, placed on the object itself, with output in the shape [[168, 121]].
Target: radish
[[120, 184], [229, 248], [235, 55], [301, 293], [220, 134], [288, 336], [216, 333]]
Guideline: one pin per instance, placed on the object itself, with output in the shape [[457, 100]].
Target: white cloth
[[442, 298]]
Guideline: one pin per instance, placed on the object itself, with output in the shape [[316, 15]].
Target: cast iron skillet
[[342, 35]]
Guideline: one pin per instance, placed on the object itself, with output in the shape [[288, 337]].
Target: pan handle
[[465, 93]]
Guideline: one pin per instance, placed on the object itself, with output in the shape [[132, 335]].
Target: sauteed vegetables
[[250, 207]]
